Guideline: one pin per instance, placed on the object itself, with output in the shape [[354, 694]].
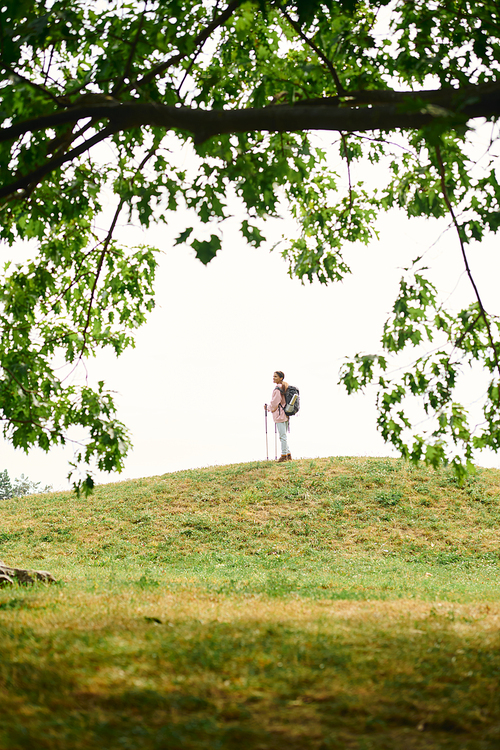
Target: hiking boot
[[288, 456], [282, 458]]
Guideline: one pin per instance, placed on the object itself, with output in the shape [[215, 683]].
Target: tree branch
[[106, 242], [25, 390], [37, 175], [484, 314], [386, 110]]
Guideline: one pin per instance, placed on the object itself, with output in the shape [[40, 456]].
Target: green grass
[[334, 603]]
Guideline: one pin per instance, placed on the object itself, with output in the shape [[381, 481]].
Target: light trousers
[[283, 437]]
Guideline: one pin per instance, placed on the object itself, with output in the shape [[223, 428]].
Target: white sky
[[192, 391]]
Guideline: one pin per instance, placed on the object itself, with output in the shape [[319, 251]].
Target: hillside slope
[[324, 604], [324, 513]]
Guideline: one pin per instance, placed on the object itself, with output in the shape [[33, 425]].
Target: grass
[[333, 603]]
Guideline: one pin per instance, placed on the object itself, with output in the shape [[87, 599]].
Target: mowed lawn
[[327, 603]]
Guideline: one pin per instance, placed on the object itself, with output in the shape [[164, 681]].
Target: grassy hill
[[327, 603]]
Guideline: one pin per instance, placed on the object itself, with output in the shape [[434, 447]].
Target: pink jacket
[[278, 400]]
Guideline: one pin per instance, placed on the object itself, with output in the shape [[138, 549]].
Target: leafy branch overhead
[[246, 84]]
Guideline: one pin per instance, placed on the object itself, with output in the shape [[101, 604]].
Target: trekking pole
[[267, 444], [275, 442]]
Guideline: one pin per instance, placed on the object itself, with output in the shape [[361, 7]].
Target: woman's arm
[[275, 399]]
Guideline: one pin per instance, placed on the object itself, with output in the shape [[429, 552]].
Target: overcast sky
[[192, 392]]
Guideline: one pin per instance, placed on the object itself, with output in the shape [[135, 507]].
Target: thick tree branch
[[410, 111], [384, 110]]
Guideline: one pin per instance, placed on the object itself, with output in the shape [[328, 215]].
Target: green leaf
[[206, 250], [252, 234], [183, 236]]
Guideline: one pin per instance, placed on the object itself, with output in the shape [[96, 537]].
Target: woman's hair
[[279, 374]]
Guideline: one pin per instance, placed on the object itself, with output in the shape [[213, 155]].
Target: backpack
[[292, 399]]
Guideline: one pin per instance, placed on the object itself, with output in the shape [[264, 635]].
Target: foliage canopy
[[247, 83]]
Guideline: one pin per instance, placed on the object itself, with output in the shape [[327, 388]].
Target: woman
[[277, 409]]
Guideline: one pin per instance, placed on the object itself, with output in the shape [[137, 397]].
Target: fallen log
[[10, 575]]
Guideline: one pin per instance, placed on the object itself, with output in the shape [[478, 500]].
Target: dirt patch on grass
[[222, 609], [84, 611]]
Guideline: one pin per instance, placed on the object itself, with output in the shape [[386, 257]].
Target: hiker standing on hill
[[277, 408]]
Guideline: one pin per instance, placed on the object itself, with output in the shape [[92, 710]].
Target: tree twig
[[46, 74], [469, 328], [199, 39], [117, 88], [106, 242], [60, 100], [344, 141], [340, 89]]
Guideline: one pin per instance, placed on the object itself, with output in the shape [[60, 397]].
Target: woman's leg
[[283, 437]]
